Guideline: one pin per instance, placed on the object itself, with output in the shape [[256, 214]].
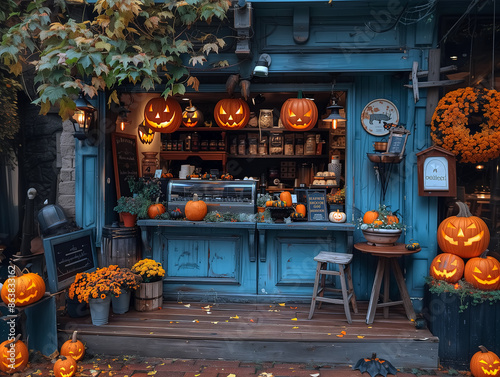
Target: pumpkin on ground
[[485, 363], [483, 272], [464, 234], [448, 267], [163, 115], [286, 197], [14, 355], [337, 217], [370, 216], [23, 289], [65, 366], [232, 113], [301, 208], [299, 114], [156, 209], [73, 347], [195, 209]]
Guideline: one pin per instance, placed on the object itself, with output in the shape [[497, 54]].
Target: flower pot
[[149, 296], [76, 309], [99, 310], [128, 219], [381, 237], [121, 304]]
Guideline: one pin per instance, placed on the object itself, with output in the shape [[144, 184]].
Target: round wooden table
[[387, 259]]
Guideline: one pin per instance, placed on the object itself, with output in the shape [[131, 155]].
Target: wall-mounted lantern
[[83, 118]]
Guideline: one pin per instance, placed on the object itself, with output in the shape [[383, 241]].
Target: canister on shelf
[[221, 145], [204, 145], [263, 146], [299, 145], [289, 149], [310, 145], [195, 142], [212, 145]]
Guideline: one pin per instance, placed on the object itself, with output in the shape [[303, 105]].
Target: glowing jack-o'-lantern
[[483, 272], [485, 363], [163, 115], [14, 355], [27, 288], [192, 117], [337, 216], [464, 235], [299, 114], [73, 347], [65, 366], [447, 267], [232, 113], [146, 134]]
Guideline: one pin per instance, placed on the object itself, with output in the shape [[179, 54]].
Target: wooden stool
[[344, 263]]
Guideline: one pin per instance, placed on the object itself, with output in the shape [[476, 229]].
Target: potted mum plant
[[381, 227], [149, 295], [131, 208], [126, 281]]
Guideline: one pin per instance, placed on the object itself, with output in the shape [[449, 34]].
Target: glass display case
[[223, 196]]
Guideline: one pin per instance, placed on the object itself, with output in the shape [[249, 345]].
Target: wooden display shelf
[[277, 156], [205, 155]]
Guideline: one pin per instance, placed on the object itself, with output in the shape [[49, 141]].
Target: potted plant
[[132, 207], [381, 227], [149, 295], [126, 281]]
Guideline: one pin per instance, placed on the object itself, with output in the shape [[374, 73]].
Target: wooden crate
[[149, 296]]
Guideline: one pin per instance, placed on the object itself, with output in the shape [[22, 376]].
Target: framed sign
[[436, 172], [379, 116], [125, 161], [67, 255], [316, 206], [397, 141]]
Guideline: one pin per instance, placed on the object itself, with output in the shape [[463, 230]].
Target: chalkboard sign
[[397, 140], [125, 160], [316, 206], [67, 255]]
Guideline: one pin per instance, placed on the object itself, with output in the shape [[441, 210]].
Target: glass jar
[[195, 142], [310, 145], [266, 118]]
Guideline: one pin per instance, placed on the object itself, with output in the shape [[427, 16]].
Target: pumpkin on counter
[[337, 217], [286, 197], [269, 203], [297, 215], [447, 267], [195, 209], [167, 175], [301, 208], [9, 364], [73, 347], [485, 363], [65, 366], [156, 209], [28, 288], [279, 203], [176, 214], [483, 272]]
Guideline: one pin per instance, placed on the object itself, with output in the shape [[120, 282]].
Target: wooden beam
[[433, 84], [414, 79], [449, 68]]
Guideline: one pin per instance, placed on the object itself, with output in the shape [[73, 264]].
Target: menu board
[[125, 160], [67, 255], [316, 206]]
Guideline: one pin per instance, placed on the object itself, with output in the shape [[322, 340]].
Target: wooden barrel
[[149, 296]]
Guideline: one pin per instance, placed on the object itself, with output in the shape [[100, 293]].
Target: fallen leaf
[[251, 320], [329, 333], [216, 322], [109, 366], [293, 307], [294, 319], [231, 375], [209, 312], [152, 373], [187, 305], [343, 332], [207, 307], [314, 375], [361, 336], [150, 333], [281, 304], [235, 317], [369, 327], [340, 335], [195, 320], [264, 374], [295, 327]]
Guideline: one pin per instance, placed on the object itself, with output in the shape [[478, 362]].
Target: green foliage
[[137, 205], [262, 199], [127, 41], [383, 212], [9, 124]]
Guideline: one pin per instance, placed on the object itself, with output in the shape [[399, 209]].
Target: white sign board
[[436, 174]]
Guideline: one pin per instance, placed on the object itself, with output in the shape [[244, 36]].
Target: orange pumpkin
[[163, 115], [167, 175], [23, 289], [14, 355], [195, 209], [73, 347], [447, 267], [156, 209], [232, 113], [464, 235], [146, 134], [65, 366], [483, 272], [370, 216], [299, 114], [269, 203], [484, 363], [192, 117], [392, 219], [286, 197], [301, 208]]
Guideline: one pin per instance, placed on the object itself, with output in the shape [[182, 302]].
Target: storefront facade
[[357, 49]]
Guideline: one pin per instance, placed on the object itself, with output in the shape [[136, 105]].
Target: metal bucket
[[120, 246]]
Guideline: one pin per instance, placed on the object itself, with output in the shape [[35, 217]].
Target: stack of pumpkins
[[465, 236]]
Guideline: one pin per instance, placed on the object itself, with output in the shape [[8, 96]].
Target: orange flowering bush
[[102, 283], [467, 122]]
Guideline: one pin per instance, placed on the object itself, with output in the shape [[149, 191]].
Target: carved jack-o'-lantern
[[485, 363], [464, 235], [65, 366], [299, 114], [27, 288], [73, 347], [14, 355], [337, 217], [447, 267], [231, 113], [163, 115], [483, 272], [146, 134], [192, 117]]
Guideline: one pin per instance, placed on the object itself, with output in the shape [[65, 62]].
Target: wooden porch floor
[[257, 333]]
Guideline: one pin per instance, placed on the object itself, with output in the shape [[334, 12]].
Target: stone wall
[[66, 182]]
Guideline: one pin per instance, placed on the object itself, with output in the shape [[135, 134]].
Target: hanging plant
[[467, 122]]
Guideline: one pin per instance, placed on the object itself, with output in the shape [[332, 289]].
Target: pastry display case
[[223, 196]]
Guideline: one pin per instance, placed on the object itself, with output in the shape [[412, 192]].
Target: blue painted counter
[[240, 261]]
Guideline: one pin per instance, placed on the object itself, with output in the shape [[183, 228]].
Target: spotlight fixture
[[83, 117], [334, 114], [262, 67]]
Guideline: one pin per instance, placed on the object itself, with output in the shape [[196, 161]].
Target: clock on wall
[[379, 116]]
